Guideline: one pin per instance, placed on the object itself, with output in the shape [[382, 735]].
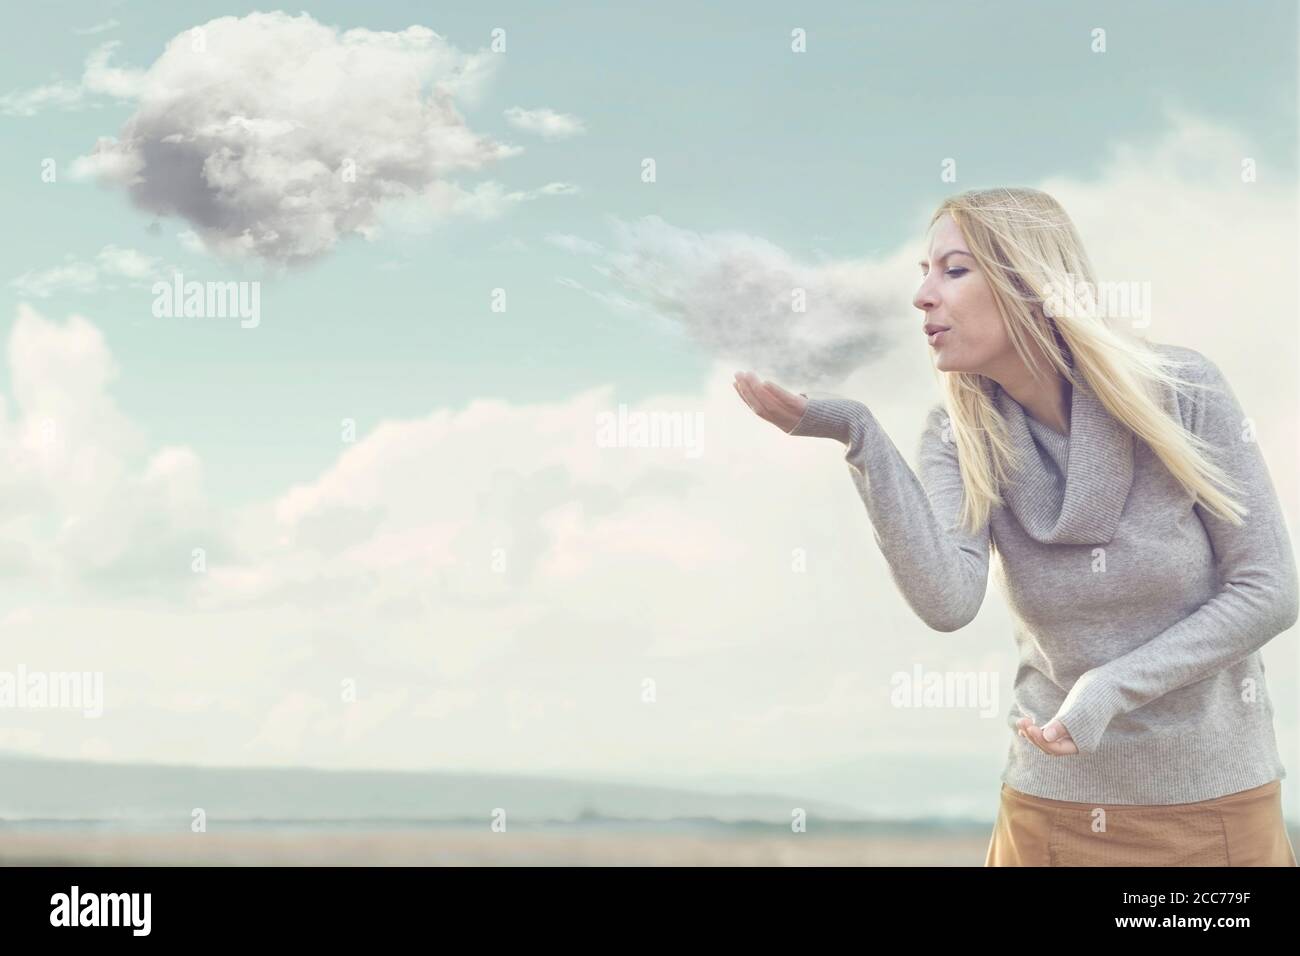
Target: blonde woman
[[1139, 542]]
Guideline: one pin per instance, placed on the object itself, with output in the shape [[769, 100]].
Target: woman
[[1140, 546]]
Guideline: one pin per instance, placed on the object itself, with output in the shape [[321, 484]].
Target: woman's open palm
[[770, 401]]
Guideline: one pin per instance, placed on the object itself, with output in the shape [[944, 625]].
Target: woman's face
[[955, 295]]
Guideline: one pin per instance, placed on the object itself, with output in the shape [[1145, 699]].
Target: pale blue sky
[[828, 154]]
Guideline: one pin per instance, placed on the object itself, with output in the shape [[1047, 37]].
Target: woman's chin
[[945, 362]]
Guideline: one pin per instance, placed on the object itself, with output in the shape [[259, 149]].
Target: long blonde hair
[[1031, 254]]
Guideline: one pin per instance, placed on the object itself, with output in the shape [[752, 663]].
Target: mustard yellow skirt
[[1239, 829]]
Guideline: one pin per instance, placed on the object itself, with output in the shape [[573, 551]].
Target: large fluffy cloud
[[276, 136]]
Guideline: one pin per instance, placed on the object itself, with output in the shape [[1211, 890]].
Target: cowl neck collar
[[1070, 489]]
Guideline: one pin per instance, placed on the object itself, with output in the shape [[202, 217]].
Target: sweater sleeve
[[1257, 599], [941, 570]]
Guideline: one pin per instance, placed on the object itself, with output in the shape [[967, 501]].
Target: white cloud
[[545, 122], [112, 262], [99, 80], [117, 168], [86, 503], [571, 243], [190, 241], [486, 201], [103, 27], [74, 275], [277, 136], [127, 262], [748, 301], [32, 101]]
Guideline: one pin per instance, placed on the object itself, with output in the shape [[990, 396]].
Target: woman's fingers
[[1061, 748], [744, 393], [777, 390], [746, 384], [785, 399], [1054, 730], [1036, 738], [766, 395], [743, 397]]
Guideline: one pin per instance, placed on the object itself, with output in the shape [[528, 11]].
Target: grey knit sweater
[[1138, 615]]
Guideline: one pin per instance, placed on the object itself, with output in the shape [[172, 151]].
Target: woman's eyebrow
[[951, 252]]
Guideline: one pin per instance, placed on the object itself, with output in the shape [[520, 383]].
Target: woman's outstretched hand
[[770, 401]]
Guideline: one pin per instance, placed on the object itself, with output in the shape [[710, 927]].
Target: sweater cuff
[[830, 418], [1089, 706]]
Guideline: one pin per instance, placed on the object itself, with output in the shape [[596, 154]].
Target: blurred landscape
[[616, 843], [55, 812], [82, 813]]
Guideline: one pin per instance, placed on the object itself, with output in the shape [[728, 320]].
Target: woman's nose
[[924, 299]]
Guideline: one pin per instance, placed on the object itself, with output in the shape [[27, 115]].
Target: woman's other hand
[[770, 401], [1062, 746]]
